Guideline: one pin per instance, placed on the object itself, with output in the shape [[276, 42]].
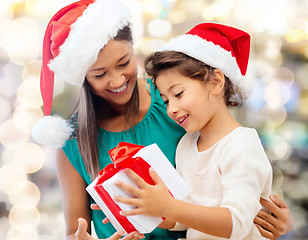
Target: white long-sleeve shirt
[[234, 173]]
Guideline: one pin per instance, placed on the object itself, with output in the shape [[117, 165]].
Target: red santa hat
[[219, 46], [72, 41]]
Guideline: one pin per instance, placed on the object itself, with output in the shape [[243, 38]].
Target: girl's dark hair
[[161, 61], [93, 108]]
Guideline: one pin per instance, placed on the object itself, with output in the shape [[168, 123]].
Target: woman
[[89, 44]]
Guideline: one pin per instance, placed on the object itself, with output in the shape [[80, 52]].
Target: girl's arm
[[156, 201]]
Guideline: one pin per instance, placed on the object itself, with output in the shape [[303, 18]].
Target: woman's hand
[[150, 200], [82, 234], [278, 222]]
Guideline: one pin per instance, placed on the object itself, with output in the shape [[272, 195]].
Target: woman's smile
[[120, 90]]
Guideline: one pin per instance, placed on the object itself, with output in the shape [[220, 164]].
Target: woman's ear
[[218, 82]]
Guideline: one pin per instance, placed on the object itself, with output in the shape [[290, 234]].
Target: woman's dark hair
[[187, 66], [125, 34], [93, 108]]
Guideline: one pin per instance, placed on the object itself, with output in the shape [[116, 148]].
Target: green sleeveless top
[[155, 127]]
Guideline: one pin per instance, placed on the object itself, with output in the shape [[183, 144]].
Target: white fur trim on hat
[[209, 53], [51, 131], [99, 23]]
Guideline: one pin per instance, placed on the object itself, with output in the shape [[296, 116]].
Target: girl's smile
[[182, 120]]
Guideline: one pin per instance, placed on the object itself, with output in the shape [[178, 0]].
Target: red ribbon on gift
[[122, 157]]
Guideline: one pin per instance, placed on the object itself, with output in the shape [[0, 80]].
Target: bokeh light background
[[30, 199]]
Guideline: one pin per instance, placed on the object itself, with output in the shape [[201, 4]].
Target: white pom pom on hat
[[245, 86], [52, 131], [223, 47], [73, 38]]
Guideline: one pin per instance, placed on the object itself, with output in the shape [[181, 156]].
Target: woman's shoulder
[[145, 85]]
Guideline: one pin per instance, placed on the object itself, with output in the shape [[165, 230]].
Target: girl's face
[[113, 75], [188, 100]]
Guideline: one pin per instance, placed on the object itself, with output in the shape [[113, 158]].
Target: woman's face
[[113, 76]]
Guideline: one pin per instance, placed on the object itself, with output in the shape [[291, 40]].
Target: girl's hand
[[82, 234], [150, 200], [276, 224]]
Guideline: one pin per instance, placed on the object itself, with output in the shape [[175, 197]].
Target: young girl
[[199, 76], [88, 44]]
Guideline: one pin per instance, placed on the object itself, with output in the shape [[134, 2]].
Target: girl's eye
[[124, 64], [179, 94], [100, 76], [166, 102]]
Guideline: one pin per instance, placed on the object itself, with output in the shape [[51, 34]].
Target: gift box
[[139, 159]]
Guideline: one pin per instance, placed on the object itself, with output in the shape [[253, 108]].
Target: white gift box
[[158, 161]]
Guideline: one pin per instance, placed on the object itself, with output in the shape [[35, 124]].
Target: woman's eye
[[100, 76], [124, 64], [166, 102], [179, 94]]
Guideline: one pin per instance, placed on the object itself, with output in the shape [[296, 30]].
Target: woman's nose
[[117, 80]]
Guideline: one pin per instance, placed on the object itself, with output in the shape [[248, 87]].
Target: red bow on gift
[[122, 157]]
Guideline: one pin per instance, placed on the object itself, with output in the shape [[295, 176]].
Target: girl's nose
[[172, 109]]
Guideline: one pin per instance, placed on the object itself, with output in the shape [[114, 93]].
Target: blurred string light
[[11, 136], [10, 175], [152, 7], [29, 157], [6, 11], [44, 7], [5, 108], [10, 80], [217, 10], [25, 193], [177, 16], [278, 181], [276, 94], [295, 35], [20, 233], [192, 7], [270, 16], [28, 93], [40, 7], [20, 36], [303, 106], [24, 216], [295, 133], [302, 76], [159, 28], [277, 147]]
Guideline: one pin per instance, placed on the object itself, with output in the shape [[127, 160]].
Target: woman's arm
[[75, 200], [76, 203], [81, 233], [167, 224], [156, 201], [278, 222]]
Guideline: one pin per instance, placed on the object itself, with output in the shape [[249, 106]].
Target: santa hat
[[219, 46], [72, 41]]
